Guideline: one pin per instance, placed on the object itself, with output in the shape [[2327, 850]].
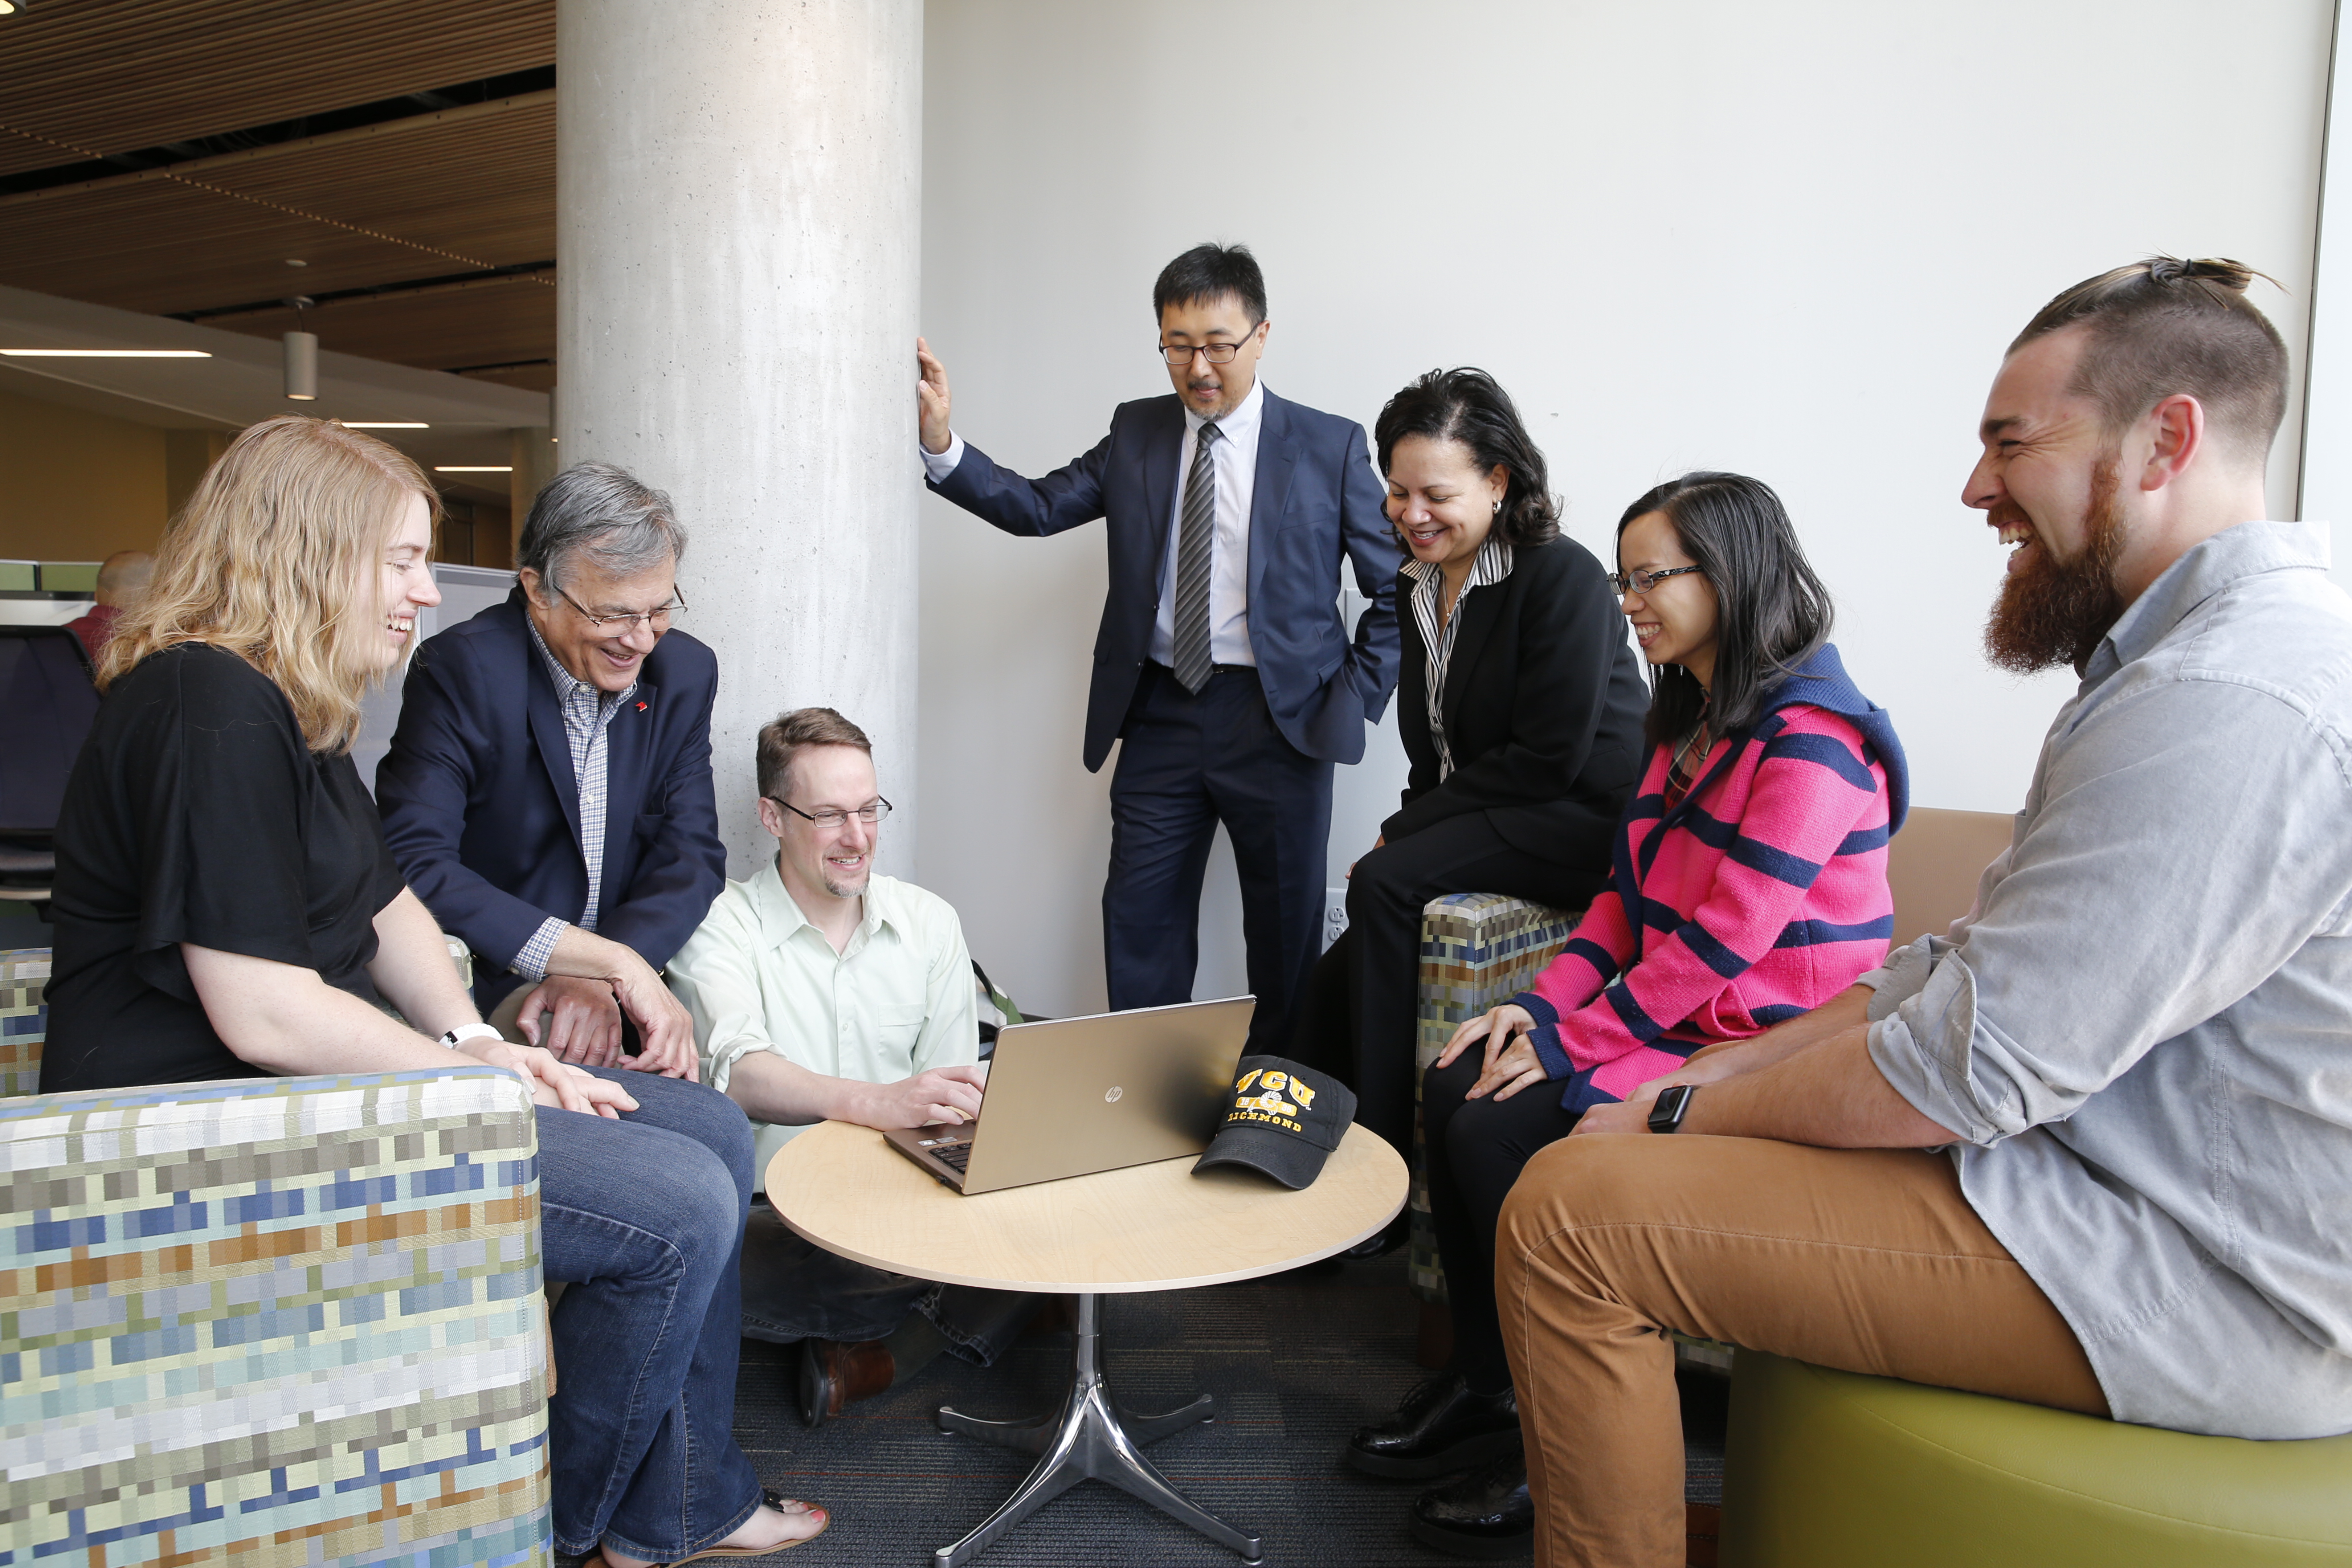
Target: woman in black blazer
[[1525, 760]]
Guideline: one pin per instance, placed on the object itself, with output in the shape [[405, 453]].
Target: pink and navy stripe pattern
[[1760, 896]]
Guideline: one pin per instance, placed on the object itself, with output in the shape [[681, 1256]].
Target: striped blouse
[[1760, 895]]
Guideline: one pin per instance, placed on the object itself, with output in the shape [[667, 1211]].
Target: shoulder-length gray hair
[[624, 526]]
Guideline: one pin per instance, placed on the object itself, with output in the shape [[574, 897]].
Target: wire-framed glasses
[[1180, 354], [831, 818], [1626, 583], [628, 620]]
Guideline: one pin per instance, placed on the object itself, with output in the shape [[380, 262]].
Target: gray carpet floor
[[1296, 1363]]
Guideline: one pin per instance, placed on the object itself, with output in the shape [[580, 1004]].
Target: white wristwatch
[[464, 1032]]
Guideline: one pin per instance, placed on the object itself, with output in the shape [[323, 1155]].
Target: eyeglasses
[[1178, 356], [831, 820], [626, 620], [1626, 583]]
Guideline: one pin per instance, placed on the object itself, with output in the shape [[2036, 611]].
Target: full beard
[[2054, 611]]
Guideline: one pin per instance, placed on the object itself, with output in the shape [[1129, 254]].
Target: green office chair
[[1830, 1469]]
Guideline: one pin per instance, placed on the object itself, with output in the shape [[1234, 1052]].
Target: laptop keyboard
[[956, 1155]]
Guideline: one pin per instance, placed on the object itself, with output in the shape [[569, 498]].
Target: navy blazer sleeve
[[421, 789], [1374, 661], [1069, 496], [684, 864]]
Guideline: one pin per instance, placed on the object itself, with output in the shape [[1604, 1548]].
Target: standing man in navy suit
[[548, 792], [1223, 662]]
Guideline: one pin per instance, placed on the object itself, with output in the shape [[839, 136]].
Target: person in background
[[1223, 667], [226, 908], [823, 992], [1520, 711], [121, 577], [2090, 1147], [548, 789], [1748, 885]]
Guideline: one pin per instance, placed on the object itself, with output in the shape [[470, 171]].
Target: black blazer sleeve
[[1546, 717]]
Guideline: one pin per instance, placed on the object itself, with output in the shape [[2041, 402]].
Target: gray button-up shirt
[[2145, 1031], [587, 715]]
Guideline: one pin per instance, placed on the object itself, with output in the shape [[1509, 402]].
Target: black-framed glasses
[[831, 817], [1178, 355], [1626, 583], [626, 620]]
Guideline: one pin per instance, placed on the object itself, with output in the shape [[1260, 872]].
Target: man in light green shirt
[[822, 992]]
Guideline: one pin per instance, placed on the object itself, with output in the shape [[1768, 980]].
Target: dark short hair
[[2164, 326], [1771, 612], [785, 737], [1211, 272], [1468, 406], [624, 526]]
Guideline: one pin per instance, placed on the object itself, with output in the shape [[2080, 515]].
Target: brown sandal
[[768, 1496]]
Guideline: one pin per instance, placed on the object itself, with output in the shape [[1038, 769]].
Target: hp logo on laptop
[[1110, 1095]]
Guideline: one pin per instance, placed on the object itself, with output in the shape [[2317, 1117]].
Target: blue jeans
[[643, 1217]]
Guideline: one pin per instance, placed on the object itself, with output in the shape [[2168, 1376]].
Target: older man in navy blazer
[[548, 791], [1223, 663]]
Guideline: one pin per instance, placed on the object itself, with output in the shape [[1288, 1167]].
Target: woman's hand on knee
[[1509, 1070], [1494, 1027], [553, 1082]]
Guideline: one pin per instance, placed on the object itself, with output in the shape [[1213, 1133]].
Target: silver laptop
[[1069, 1096]]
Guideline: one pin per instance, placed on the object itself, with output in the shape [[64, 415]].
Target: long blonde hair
[[274, 560]]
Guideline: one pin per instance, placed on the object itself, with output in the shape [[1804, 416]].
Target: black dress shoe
[[1441, 1426], [1487, 1513]]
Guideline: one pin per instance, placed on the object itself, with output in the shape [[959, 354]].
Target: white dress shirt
[[1234, 460], [758, 975]]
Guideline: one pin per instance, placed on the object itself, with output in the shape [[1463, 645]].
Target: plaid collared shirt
[[1493, 565], [587, 714]]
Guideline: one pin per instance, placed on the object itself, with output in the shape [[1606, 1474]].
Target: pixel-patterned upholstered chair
[[1477, 950], [269, 1321]]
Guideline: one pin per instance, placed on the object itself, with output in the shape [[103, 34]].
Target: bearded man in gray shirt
[[2093, 1147]]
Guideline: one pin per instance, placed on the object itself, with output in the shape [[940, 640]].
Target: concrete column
[[739, 222]]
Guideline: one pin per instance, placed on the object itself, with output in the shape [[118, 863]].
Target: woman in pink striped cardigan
[[1748, 885]]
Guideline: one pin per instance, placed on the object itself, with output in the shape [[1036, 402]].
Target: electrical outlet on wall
[[1335, 914]]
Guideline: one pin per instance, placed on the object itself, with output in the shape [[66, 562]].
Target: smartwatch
[[1667, 1115]]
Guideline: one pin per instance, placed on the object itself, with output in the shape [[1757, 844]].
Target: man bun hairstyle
[[1772, 612], [783, 738], [2164, 326], [1211, 271], [1468, 406]]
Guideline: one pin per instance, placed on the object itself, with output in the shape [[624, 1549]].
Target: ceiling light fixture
[[482, 468], [103, 353], [303, 367], [385, 425], [10, 7]]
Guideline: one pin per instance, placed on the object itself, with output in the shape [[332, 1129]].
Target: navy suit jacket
[[482, 812], [1314, 504]]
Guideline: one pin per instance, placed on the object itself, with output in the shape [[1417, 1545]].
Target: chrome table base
[[1091, 1438]]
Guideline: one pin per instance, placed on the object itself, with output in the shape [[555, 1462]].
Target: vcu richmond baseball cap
[[1282, 1119]]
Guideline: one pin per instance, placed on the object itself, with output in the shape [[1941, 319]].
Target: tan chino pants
[[1865, 1260]]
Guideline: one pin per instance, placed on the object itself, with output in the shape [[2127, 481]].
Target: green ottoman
[[1829, 1469]]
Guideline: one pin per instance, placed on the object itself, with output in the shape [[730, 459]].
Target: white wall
[[1790, 239]]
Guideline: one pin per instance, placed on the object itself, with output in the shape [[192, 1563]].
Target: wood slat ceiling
[[405, 201]]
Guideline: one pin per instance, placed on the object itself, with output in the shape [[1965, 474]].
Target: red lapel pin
[[641, 707]]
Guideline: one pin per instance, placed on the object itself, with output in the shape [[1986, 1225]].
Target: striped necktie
[[1196, 528]]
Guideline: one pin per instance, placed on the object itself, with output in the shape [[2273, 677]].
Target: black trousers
[[1357, 1023], [1187, 763], [1477, 1150]]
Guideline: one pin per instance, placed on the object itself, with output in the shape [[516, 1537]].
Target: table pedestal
[[1092, 1437]]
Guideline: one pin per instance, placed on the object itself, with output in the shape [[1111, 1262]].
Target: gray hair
[[626, 527]]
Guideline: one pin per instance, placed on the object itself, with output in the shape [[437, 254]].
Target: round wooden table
[[1147, 1227]]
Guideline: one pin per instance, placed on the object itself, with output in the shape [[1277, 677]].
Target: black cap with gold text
[[1285, 1121]]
